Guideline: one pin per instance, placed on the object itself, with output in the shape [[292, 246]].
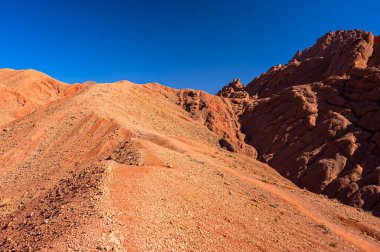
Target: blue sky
[[182, 44]]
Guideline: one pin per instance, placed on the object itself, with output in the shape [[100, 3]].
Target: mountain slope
[[25, 91], [140, 167]]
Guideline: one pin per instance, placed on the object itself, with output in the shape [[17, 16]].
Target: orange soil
[[123, 167]]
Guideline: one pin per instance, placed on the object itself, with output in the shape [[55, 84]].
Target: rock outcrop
[[317, 119], [220, 116], [237, 95]]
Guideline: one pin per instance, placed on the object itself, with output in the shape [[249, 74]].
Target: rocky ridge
[[317, 119]]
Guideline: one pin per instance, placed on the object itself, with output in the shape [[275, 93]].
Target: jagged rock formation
[[335, 54], [317, 119], [237, 95], [219, 116]]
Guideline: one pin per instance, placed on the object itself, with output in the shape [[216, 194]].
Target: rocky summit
[[317, 119], [144, 167]]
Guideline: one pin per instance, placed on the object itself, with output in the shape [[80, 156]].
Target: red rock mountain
[[317, 119], [130, 167]]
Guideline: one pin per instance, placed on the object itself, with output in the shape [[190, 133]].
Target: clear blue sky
[[194, 44]]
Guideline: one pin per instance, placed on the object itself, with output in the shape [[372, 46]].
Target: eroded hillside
[[317, 119], [122, 166]]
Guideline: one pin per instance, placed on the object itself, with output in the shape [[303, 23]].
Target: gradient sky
[[182, 44]]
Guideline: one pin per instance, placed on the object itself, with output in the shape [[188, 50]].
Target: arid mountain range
[[262, 167]]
